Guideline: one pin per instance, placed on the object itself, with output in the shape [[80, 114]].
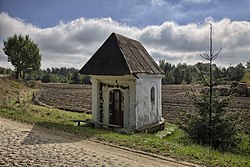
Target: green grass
[[38, 114], [170, 142]]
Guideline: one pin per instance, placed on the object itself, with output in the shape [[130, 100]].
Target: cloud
[[158, 2], [196, 1], [72, 43], [150, 12]]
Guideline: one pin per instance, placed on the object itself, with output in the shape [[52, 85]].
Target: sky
[[68, 33]]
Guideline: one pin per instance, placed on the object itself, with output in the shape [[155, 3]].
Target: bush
[[246, 78], [49, 78], [222, 132]]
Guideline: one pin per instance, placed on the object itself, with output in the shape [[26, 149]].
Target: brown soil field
[[174, 99], [72, 97]]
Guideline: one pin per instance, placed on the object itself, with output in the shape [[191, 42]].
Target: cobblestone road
[[26, 145]]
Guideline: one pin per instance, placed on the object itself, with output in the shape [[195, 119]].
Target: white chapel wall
[[139, 110], [129, 97], [95, 99], [148, 112]]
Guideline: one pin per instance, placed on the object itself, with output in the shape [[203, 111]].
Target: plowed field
[[174, 98], [66, 96]]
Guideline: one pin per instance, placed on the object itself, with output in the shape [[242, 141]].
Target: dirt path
[[26, 145]]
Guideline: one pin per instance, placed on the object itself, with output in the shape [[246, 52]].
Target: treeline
[[5, 71], [187, 74], [174, 74], [56, 75], [61, 75]]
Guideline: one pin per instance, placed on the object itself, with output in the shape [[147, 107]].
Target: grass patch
[[170, 142]]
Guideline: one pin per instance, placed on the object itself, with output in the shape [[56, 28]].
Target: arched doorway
[[116, 107]]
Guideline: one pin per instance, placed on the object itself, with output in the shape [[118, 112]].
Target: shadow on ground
[[48, 133]]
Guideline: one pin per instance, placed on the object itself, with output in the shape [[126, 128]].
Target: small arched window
[[152, 95]]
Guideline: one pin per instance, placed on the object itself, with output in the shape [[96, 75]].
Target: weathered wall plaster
[[147, 112], [139, 110]]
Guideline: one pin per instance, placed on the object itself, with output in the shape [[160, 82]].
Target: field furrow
[[174, 99]]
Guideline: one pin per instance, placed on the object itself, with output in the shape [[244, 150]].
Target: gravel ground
[[27, 145]]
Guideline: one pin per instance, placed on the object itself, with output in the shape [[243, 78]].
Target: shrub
[[246, 78], [49, 78], [222, 132]]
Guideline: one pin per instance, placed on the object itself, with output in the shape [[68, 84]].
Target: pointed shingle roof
[[120, 55]]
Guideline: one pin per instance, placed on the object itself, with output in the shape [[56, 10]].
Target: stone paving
[[26, 145], [19, 148]]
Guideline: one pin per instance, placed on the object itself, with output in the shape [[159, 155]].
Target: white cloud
[[158, 2], [196, 1], [72, 44]]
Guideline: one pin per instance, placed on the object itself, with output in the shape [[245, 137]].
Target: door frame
[[116, 108]]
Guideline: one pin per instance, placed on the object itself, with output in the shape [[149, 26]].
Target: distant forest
[[174, 74], [55, 75], [188, 74]]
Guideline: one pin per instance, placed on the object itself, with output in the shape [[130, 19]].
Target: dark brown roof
[[120, 55]]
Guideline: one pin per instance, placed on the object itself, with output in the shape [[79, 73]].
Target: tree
[[168, 70], [240, 70], [246, 78], [248, 65], [169, 77], [76, 78], [188, 75], [46, 78], [236, 73], [5, 71], [23, 54], [50, 78], [210, 124], [178, 74]]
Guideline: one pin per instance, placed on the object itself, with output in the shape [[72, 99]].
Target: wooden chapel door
[[116, 107]]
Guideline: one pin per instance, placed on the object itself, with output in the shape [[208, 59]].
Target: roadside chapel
[[126, 84]]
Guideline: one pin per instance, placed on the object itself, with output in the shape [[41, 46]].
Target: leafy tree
[[69, 76], [46, 78], [178, 73], [162, 64], [183, 73], [38, 75], [50, 78], [48, 70], [188, 73], [168, 69], [246, 78], [240, 70], [223, 73], [236, 73], [23, 54], [248, 65], [86, 79], [76, 78], [203, 67], [5, 71], [55, 70], [169, 77], [63, 71], [2, 70]]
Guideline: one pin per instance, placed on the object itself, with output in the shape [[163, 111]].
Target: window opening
[[152, 96]]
